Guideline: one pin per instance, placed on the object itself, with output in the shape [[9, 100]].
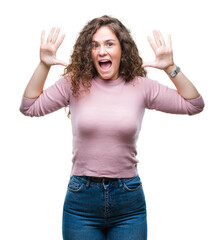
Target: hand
[[49, 48], [163, 52]]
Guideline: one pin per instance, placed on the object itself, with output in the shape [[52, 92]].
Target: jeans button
[[105, 181]]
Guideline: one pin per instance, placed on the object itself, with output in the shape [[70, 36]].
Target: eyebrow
[[105, 40]]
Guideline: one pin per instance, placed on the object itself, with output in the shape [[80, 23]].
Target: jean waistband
[[102, 179]]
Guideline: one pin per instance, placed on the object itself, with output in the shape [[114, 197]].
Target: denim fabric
[[104, 209]]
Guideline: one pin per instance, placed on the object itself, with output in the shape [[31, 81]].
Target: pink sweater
[[107, 121]]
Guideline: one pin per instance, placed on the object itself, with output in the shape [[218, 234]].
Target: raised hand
[[163, 52], [49, 48]]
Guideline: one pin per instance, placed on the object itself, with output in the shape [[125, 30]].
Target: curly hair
[[82, 69]]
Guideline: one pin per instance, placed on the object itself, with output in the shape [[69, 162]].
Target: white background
[[181, 157]]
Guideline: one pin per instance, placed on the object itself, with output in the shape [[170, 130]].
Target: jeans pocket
[[75, 185], [133, 184]]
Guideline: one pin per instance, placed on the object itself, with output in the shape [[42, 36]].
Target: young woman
[[107, 91]]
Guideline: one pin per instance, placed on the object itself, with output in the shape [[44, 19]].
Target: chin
[[105, 77], [109, 76]]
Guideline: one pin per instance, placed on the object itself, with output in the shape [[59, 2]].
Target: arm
[[165, 99], [48, 58], [36, 101], [183, 85], [164, 61], [50, 100], [36, 84]]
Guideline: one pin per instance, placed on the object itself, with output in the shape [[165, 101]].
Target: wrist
[[170, 69], [44, 65], [172, 73]]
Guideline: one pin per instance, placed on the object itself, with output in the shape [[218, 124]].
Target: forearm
[[184, 86], [35, 86]]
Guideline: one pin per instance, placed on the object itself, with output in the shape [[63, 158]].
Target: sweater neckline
[[109, 82]]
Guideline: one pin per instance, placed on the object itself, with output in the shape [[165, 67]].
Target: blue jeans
[[104, 209]]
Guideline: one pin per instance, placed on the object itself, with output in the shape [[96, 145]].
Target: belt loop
[[88, 182], [120, 183]]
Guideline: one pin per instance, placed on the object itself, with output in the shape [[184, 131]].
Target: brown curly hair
[[82, 68]]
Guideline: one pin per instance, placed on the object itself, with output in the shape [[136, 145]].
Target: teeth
[[104, 60]]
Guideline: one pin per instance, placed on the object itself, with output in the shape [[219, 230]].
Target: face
[[106, 53]]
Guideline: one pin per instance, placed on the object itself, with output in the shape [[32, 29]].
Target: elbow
[[196, 106], [27, 107], [30, 111], [195, 111], [26, 112], [23, 110]]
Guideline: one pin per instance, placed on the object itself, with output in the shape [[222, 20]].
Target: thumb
[[149, 64], [60, 62]]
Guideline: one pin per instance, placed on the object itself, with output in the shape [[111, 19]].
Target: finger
[[169, 42], [49, 38], [152, 44], [59, 42], [161, 38], [43, 37], [149, 64], [157, 38], [55, 36], [60, 62]]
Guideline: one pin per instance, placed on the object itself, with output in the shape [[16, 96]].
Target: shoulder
[[64, 86], [144, 82], [65, 79], [64, 82]]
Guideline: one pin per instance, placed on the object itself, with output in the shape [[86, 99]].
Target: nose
[[102, 51]]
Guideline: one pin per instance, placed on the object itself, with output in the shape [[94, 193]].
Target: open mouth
[[105, 64]]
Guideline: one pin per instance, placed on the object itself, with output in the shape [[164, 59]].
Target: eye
[[95, 45], [110, 44]]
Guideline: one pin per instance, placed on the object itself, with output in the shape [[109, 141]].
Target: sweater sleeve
[[50, 100], [165, 99]]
